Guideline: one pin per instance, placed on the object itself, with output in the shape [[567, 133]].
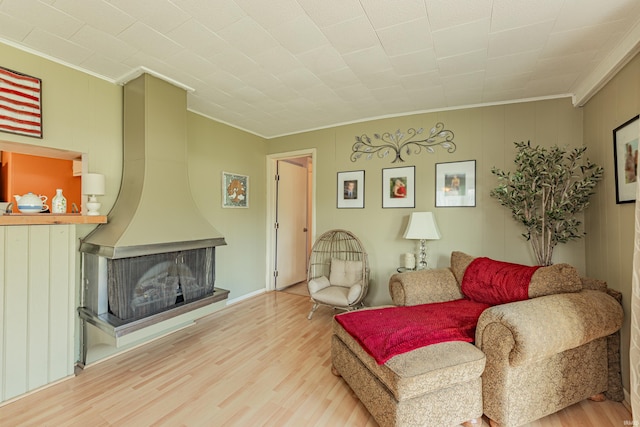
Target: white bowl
[[30, 209]]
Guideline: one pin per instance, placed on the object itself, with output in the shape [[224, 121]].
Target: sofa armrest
[[423, 287], [537, 328]]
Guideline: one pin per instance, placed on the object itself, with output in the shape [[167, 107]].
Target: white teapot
[[30, 203]]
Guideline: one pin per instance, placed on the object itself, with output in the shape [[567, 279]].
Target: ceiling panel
[[161, 15], [382, 16], [463, 38], [444, 13], [97, 14], [40, 15], [272, 13], [299, 35], [410, 37], [110, 47], [510, 14], [522, 39], [66, 50], [328, 13], [352, 36]]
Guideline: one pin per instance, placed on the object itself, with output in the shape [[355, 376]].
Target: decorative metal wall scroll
[[402, 143]]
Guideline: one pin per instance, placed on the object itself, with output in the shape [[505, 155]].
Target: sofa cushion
[[345, 273], [459, 263], [554, 279]]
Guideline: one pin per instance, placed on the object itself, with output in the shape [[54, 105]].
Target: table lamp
[[92, 186], [422, 226]]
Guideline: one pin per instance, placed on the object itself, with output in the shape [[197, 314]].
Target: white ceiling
[[276, 67]]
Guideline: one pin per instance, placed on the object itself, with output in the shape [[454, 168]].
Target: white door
[[291, 225]]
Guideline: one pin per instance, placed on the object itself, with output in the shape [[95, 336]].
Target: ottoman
[[437, 385]]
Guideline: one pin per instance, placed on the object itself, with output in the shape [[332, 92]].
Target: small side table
[[404, 269]]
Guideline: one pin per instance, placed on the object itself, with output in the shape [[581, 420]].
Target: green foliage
[[548, 188]]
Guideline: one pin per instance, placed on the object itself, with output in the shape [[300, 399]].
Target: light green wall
[[213, 148], [610, 226], [483, 134]]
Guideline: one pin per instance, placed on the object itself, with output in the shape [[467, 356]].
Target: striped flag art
[[20, 103]]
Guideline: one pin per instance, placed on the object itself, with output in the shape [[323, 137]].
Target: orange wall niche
[[23, 173]]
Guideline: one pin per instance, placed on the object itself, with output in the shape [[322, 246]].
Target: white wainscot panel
[[37, 293]]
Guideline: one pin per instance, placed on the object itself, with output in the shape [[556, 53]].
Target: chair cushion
[[318, 284], [333, 295], [345, 273], [354, 293]]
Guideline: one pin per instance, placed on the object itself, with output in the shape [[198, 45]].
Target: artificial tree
[[546, 191]]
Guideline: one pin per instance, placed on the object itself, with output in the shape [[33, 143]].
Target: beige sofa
[[542, 354]]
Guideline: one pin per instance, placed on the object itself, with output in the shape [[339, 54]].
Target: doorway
[[291, 217]]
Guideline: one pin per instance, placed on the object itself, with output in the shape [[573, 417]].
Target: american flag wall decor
[[20, 103]]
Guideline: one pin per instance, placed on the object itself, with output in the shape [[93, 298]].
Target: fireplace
[[124, 295], [148, 271]]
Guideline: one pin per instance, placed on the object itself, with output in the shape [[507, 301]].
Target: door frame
[[272, 161]]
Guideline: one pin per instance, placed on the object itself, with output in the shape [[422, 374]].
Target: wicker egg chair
[[338, 274]]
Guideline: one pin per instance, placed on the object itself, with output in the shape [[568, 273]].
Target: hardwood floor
[[259, 362], [297, 289]]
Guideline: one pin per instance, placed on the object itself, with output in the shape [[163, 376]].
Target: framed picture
[[350, 191], [235, 190], [398, 187], [456, 184], [625, 158], [21, 103]]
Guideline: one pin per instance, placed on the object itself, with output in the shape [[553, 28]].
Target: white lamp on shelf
[[422, 226], [92, 186]]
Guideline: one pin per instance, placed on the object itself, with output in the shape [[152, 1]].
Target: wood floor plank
[[259, 362]]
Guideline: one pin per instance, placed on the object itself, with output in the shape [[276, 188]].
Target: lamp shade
[[422, 226], [93, 184]]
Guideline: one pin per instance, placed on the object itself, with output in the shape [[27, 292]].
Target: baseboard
[[232, 301], [35, 390], [627, 401]]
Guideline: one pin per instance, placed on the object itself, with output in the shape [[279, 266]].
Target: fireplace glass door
[[145, 285]]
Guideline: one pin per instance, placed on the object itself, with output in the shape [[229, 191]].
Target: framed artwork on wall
[[456, 184], [350, 191], [398, 187], [235, 190], [625, 158], [21, 103]]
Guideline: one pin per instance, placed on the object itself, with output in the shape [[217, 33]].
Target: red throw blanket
[[387, 332], [496, 282]]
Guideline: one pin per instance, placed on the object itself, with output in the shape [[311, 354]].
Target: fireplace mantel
[[50, 219]]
